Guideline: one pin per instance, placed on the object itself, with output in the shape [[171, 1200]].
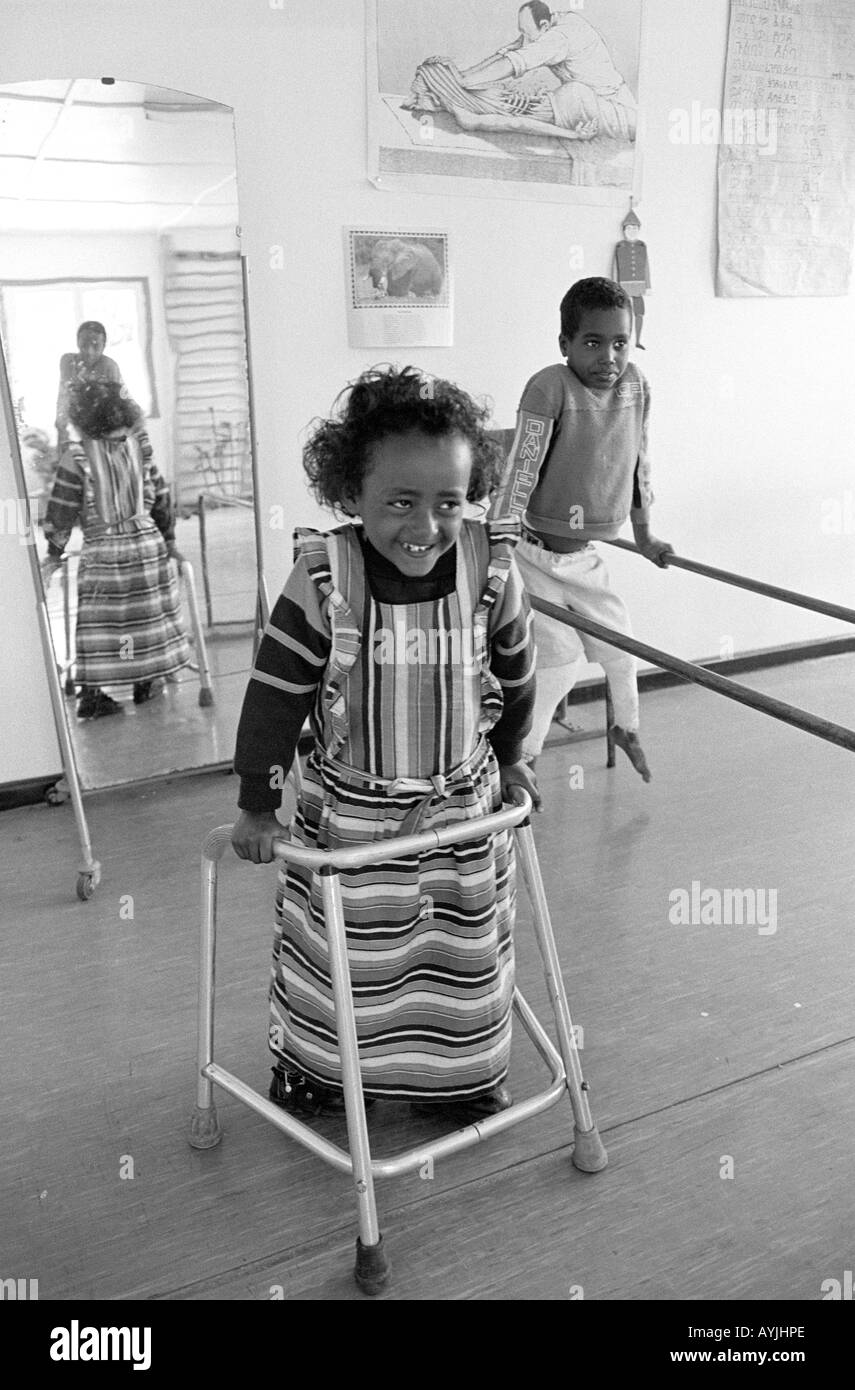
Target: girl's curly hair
[[388, 400], [98, 407]]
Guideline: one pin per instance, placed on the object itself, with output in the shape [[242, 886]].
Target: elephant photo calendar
[[398, 285]]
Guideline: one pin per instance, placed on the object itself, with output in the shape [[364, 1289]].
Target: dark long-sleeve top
[[295, 651]]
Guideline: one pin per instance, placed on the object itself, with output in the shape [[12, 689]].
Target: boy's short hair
[[92, 326], [594, 293]]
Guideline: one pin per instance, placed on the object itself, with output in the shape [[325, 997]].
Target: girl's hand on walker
[[519, 775], [254, 833]]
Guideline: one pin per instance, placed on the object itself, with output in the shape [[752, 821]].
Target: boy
[[578, 466], [88, 363]]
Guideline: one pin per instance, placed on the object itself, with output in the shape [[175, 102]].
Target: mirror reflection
[[123, 323]]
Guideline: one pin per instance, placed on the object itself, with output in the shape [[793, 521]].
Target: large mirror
[[119, 213]]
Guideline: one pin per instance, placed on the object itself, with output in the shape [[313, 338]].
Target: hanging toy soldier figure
[[631, 269]]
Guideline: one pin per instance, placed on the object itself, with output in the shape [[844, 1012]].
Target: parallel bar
[[754, 586], [698, 675]]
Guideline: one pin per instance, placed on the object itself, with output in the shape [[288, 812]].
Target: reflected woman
[[128, 624], [88, 363]]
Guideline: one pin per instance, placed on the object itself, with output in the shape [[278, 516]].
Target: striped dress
[[411, 702], [128, 612]]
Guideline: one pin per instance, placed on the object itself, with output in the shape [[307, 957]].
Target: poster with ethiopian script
[[538, 102]]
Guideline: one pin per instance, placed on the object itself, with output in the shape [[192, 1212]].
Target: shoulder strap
[[503, 537], [334, 563]]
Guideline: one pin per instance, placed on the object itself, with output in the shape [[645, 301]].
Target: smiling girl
[[367, 640]]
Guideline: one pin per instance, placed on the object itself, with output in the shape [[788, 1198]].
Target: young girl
[[128, 628], [407, 640]]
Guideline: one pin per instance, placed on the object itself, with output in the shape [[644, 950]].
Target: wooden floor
[[701, 1044]]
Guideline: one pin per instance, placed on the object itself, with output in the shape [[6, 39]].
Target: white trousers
[[577, 581]]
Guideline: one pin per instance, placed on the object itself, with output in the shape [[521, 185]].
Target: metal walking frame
[[200, 665], [372, 1261], [206, 694]]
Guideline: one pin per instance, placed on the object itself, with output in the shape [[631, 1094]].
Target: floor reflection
[[170, 733]]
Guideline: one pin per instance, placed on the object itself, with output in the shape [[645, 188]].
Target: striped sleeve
[[66, 501], [512, 663], [289, 666]]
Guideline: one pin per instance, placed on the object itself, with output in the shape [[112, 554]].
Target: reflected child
[[128, 626]]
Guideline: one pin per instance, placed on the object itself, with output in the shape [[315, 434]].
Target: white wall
[[754, 407]]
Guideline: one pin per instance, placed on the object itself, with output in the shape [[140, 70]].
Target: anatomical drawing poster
[[486, 96], [398, 287]]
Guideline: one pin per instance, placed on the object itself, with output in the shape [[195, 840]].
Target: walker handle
[[218, 841], [358, 856]]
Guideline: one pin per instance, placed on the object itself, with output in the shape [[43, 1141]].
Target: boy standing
[[88, 363], [578, 467]]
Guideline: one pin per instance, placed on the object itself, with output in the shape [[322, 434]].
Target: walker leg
[[203, 548], [206, 694], [589, 1154], [89, 870], [66, 619], [372, 1263], [205, 1131], [610, 719]]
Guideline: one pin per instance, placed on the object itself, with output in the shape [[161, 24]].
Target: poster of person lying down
[[489, 96]]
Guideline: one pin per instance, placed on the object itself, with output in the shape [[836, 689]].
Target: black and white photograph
[[399, 288], [486, 91], [427, 714]]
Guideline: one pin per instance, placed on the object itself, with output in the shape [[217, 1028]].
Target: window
[[40, 319]]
